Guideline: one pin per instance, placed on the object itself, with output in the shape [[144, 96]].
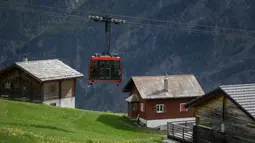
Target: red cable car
[[105, 67]]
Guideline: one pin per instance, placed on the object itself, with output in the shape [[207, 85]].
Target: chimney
[[166, 84], [25, 58]]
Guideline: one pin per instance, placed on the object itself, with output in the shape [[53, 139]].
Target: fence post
[[173, 129], [194, 134], [167, 128], [183, 137]]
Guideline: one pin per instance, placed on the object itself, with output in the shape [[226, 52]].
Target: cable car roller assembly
[[108, 21]]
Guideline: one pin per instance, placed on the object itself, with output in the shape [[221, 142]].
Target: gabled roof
[[152, 87], [243, 95], [46, 70]]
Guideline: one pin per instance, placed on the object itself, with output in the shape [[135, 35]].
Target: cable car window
[[107, 70], [104, 70], [94, 69], [102, 64], [115, 71], [101, 68]]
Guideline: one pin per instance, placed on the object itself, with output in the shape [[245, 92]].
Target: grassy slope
[[31, 123]]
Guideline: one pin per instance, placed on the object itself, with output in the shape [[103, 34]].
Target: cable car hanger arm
[[107, 38], [107, 20]]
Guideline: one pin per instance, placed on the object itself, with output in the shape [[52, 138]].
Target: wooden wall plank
[[237, 125], [51, 90], [67, 88]]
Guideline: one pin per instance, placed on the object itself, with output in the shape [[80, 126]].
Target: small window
[[142, 107], [182, 108], [222, 127], [160, 108], [7, 85]]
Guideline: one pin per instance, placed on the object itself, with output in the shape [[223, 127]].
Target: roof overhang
[[128, 85], [201, 99], [14, 65], [164, 97], [132, 98], [7, 68]]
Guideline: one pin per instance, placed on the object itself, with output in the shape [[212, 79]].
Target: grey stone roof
[[52, 69], [243, 94], [179, 86]]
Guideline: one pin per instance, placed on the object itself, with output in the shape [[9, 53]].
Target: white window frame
[[142, 107], [181, 108], [158, 107]]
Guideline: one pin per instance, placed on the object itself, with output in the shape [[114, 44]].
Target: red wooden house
[[156, 100]]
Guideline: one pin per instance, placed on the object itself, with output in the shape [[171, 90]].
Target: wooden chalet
[[227, 114], [156, 100], [42, 81]]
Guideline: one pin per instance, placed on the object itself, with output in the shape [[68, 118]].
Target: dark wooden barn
[[41, 81], [227, 114]]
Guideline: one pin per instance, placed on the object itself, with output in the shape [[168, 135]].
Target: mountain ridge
[[215, 57]]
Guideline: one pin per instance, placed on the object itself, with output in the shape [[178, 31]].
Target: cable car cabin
[[105, 68]]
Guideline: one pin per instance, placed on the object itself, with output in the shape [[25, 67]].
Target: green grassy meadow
[[36, 123]]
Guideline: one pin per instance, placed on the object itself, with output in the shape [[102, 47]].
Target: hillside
[[213, 54], [33, 123]]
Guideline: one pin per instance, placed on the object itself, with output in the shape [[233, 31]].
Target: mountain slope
[[216, 56], [26, 122]]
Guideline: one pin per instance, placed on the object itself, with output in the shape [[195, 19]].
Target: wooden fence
[[181, 131]]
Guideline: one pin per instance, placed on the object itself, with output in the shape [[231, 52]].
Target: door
[[132, 109], [27, 92]]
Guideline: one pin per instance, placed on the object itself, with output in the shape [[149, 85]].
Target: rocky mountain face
[[193, 41]]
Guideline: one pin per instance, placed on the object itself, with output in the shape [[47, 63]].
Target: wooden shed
[[227, 114], [41, 81], [156, 100]]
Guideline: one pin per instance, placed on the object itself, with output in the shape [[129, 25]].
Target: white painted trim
[[162, 108], [142, 107], [163, 122]]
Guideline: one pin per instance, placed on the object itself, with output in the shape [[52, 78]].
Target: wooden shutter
[[181, 107], [142, 107]]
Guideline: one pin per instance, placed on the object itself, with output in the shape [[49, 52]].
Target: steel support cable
[[65, 9], [187, 29], [73, 16]]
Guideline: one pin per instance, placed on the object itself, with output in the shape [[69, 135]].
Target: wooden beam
[[224, 108], [42, 92], [59, 89], [74, 87], [197, 120]]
